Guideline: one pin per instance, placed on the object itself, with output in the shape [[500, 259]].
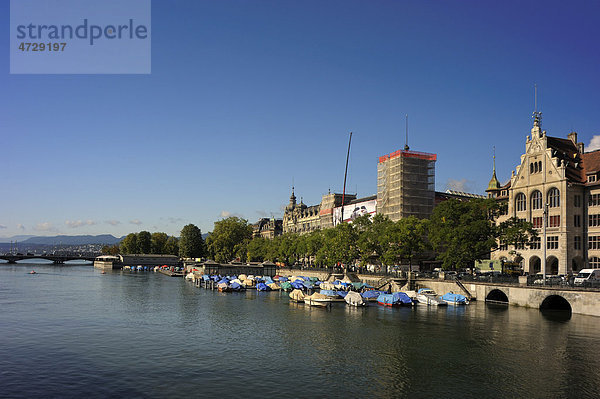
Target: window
[[503, 246], [594, 200], [593, 220], [577, 242], [594, 242], [535, 167], [591, 178], [537, 222], [552, 242], [535, 243], [520, 202], [553, 197], [577, 220], [594, 262], [577, 201], [536, 200], [554, 221]]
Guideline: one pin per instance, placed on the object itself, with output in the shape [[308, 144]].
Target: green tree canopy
[[129, 244], [228, 239], [191, 244], [159, 240], [171, 246], [462, 232], [144, 242]]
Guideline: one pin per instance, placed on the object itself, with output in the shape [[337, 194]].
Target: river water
[[70, 331]]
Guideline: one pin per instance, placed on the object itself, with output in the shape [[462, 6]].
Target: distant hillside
[[14, 238], [104, 239]]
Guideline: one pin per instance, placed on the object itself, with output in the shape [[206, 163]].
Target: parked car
[[587, 277]]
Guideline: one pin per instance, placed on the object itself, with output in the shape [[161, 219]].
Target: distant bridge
[[57, 259]]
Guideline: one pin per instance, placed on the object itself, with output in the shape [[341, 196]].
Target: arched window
[[594, 262], [553, 197], [520, 202], [530, 168], [536, 200]]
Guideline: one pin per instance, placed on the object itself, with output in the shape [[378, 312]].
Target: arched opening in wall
[[556, 307], [552, 265], [535, 265], [497, 296]]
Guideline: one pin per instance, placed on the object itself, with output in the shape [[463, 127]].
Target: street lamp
[[544, 224]]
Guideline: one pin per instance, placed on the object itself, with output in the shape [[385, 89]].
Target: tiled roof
[[568, 153], [591, 162]]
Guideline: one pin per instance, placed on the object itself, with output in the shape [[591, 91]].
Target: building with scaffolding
[[406, 184]]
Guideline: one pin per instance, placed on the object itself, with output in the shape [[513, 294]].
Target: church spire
[[494, 184]]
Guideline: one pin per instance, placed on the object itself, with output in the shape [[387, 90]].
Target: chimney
[[573, 137]]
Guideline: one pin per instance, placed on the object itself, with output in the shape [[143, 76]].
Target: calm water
[[72, 332]]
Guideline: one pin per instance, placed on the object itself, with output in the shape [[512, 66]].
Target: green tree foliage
[[144, 242], [373, 237], [171, 246], [191, 244], [257, 249], [462, 232], [408, 238], [111, 249], [517, 233], [339, 245], [228, 239], [129, 245], [159, 240]]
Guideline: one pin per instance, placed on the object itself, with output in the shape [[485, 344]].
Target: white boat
[[353, 298], [318, 299], [297, 296], [428, 296]]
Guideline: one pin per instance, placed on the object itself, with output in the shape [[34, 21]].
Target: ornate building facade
[[302, 219], [556, 185], [267, 228]]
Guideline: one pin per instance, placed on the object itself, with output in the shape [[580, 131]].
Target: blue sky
[[246, 97]]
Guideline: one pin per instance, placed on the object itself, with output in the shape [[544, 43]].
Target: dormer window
[[591, 178]]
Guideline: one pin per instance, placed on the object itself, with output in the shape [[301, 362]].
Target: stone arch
[[551, 265], [535, 265], [555, 302], [497, 296]]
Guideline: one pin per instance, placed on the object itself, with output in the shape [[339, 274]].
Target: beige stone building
[[302, 219], [555, 182]]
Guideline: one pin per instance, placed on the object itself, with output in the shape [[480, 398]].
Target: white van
[[587, 276]]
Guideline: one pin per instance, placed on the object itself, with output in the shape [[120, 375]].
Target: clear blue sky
[[247, 96]]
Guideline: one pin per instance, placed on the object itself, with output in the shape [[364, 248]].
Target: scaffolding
[[406, 184]]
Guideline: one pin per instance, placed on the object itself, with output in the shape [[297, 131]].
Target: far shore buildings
[[558, 182]]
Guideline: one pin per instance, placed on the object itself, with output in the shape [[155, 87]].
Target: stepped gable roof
[[591, 162], [567, 152]]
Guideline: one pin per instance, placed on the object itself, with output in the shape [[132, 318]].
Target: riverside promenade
[[579, 301]]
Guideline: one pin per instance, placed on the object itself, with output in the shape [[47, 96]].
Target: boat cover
[[235, 286], [206, 277], [397, 298], [274, 286], [268, 280], [224, 280], [354, 298], [308, 285], [297, 295], [329, 293], [298, 285], [262, 287], [327, 286], [283, 279], [456, 298], [222, 286], [242, 277], [342, 293], [371, 294], [314, 279], [286, 285]]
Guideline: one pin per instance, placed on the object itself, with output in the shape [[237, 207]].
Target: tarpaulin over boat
[[235, 286], [353, 298], [327, 286], [286, 286], [224, 280], [283, 279], [454, 298], [397, 298], [298, 285], [242, 277], [297, 295], [262, 287], [342, 293], [206, 277], [268, 280], [371, 294], [329, 293], [274, 286]]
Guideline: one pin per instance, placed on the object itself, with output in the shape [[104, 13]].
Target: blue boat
[[455, 299], [262, 287], [395, 299], [371, 294]]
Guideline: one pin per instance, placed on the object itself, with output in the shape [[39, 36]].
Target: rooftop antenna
[[406, 147], [494, 159]]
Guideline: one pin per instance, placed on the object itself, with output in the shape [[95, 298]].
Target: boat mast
[[345, 174]]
